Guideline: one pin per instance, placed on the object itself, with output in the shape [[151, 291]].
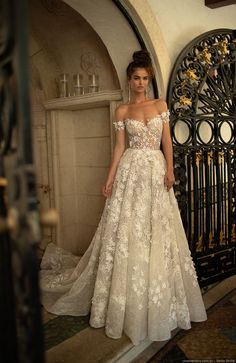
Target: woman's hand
[[107, 189], [169, 179]]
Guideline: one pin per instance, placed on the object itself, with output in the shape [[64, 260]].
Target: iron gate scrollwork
[[202, 100], [21, 338]]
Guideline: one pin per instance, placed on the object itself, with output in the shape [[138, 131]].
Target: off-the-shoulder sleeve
[[165, 116], [119, 125]]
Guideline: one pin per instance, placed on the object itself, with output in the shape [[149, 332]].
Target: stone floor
[[70, 339], [208, 341]]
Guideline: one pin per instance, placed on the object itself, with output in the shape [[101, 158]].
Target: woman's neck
[[138, 99]]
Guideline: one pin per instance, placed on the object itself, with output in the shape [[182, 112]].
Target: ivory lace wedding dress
[[137, 275]]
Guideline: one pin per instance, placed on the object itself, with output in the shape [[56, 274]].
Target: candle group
[[77, 88]]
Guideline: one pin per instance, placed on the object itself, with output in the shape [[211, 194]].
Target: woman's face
[[139, 80]]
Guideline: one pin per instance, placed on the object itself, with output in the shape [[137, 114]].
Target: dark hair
[[141, 59]]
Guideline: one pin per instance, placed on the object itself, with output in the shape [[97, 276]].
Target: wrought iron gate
[[202, 99], [21, 338]]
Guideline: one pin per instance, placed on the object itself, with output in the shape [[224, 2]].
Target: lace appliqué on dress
[[165, 116], [144, 134], [119, 125], [137, 275]]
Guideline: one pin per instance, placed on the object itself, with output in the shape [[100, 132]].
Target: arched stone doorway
[[73, 141], [113, 28]]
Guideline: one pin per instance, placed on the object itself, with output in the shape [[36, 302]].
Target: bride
[[137, 275]]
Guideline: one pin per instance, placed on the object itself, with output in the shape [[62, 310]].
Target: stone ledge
[[89, 100]]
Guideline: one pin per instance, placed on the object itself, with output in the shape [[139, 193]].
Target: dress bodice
[[144, 135]]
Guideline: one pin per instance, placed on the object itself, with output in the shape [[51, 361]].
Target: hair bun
[[142, 56], [141, 59]]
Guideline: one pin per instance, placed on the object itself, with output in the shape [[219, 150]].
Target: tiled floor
[[71, 340], [61, 328], [211, 341]]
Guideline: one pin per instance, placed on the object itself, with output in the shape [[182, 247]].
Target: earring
[[129, 93], [147, 92]]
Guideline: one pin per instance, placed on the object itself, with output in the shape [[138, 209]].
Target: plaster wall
[[183, 20]]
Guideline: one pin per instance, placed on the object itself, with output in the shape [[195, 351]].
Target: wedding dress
[[137, 275]]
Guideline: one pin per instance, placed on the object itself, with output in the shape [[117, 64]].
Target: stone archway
[[105, 22], [112, 27]]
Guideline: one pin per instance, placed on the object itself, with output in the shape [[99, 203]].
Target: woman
[[137, 275]]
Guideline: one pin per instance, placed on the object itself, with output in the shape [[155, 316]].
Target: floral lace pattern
[[144, 135], [137, 275], [119, 125]]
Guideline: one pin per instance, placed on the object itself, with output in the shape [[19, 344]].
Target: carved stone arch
[[202, 101], [143, 20]]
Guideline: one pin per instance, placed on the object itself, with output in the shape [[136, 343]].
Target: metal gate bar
[[202, 99]]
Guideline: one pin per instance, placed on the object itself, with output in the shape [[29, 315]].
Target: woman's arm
[[167, 148], [117, 153]]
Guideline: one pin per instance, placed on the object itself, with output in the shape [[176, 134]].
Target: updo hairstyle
[[141, 59]]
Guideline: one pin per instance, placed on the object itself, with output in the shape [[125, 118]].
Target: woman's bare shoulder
[[121, 111], [161, 105]]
